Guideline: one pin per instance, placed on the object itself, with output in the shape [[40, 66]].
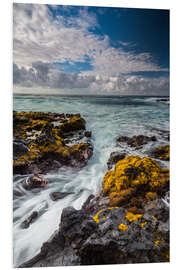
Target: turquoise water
[[107, 118]]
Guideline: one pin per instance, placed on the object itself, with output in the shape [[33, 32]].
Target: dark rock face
[[19, 147], [114, 158], [136, 141], [111, 236], [76, 226], [49, 141], [59, 195]]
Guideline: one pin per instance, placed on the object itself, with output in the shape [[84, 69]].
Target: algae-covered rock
[[133, 177], [162, 153], [41, 141]]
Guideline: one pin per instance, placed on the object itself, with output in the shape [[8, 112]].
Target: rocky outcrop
[[128, 222], [162, 153], [135, 178], [48, 141], [136, 141], [111, 236]]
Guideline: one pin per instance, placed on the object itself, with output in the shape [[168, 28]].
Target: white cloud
[[45, 75], [41, 39], [38, 36]]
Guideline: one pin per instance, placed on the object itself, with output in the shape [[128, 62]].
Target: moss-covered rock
[[162, 153], [44, 135], [133, 177]]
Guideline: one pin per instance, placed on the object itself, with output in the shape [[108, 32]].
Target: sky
[[90, 50]]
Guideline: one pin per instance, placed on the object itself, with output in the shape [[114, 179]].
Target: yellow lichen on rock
[[143, 224], [132, 217], [96, 217], [151, 195], [122, 227], [162, 152], [131, 173]]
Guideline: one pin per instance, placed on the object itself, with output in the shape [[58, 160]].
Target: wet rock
[[26, 223], [136, 141], [34, 181], [88, 134], [19, 148], [76, 226], [114, 158], [162, 153], [59, 195], [112, 235], [46, 143]]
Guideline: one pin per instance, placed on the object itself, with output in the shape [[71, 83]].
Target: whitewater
[[108, 118]]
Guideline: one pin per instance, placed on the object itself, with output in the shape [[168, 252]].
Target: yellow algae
[[129, 174], [162, 152], [151, 195], [143, 224], [154, 217], [122, 227], [133, 217], [96, 217], [156, 243]]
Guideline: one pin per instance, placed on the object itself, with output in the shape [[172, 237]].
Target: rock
[[19, 148], [162, 153], [123, 237], [88, 134], [59, 195], [132, 178], [162, 100], [76, 226], [112, 235], [136, 141], [45, 140], [35, 181], [26, 223], [114, 158]]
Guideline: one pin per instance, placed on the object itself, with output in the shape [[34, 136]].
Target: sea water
[[108, 118]]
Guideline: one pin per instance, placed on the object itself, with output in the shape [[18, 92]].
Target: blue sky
[[116, 50]]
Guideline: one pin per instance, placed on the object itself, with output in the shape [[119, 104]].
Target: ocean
[[108, 117]]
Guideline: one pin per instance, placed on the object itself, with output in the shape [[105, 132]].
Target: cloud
[[40, 36], [45, 75]]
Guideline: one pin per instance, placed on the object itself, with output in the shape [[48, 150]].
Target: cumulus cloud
[[38, 36], [44, 74], [41, 38]]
